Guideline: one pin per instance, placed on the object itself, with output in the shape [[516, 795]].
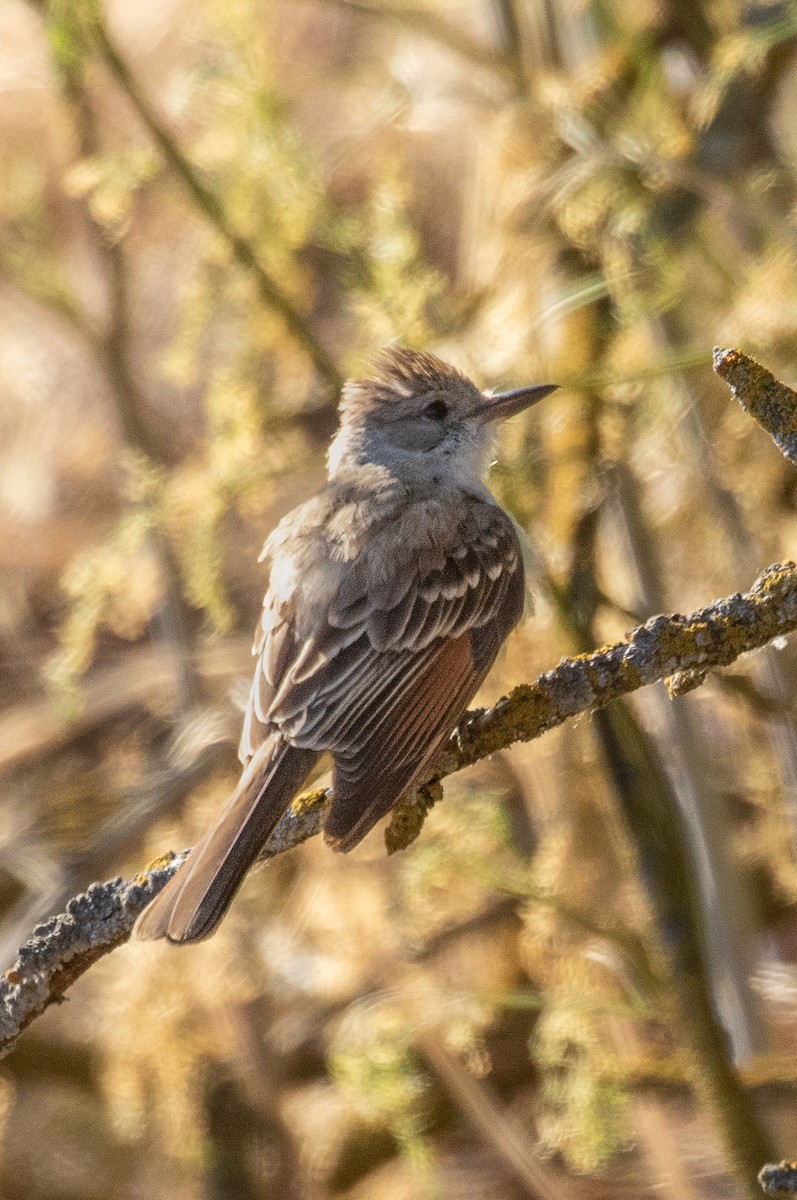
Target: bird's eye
[[437, 410]]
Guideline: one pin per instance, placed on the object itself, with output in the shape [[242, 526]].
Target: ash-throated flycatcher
[[391, 592]]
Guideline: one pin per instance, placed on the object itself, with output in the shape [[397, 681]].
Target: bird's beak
[[508, 404]]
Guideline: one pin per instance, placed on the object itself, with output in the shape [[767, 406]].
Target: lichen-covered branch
[[779, 1179], [63, 948], [686, 646], [95, 923], [712, 637], [763, 396]]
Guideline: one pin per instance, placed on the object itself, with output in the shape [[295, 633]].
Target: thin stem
[[213, 210], [102, 919]]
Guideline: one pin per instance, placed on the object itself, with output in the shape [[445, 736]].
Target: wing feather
[[390, 661], [367, 784]]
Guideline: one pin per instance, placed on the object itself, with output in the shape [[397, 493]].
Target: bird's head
[[419, 415]]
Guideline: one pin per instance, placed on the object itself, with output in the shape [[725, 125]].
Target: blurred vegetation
[[582, 980]]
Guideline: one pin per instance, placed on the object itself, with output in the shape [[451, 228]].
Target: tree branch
[[779, 1179], [101, 919], [212, 208], [687, 646], [64, 947], [763, 396], [205, 200]]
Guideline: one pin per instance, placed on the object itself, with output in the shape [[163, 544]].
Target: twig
[[205, 200], [494, 1122], [114, 348], [763, 396], [64, 947], [779, 1179], [209, 204], [714, 636], [67, 946]]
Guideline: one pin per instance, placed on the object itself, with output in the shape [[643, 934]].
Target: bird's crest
[[414, 371], [399, 374]]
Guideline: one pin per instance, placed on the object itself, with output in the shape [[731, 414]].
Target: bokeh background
[[210, 212]]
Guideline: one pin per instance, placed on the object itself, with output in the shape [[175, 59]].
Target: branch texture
[[684, 646], [779, 1179], [64, 947], [763, 396], [101, 919]]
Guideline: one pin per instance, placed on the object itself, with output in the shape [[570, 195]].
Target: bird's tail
[[193, 902]]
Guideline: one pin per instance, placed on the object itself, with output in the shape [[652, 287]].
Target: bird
[[390, 594]]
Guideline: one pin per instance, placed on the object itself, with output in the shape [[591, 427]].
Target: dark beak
[[509, 404]]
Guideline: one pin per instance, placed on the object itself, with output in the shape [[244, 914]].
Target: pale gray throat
[[458, 458]]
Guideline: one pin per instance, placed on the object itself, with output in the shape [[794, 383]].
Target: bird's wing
[[434, 647], [275, 646], [391, 664]]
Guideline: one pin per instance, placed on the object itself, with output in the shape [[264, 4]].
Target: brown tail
[[193, 902]]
